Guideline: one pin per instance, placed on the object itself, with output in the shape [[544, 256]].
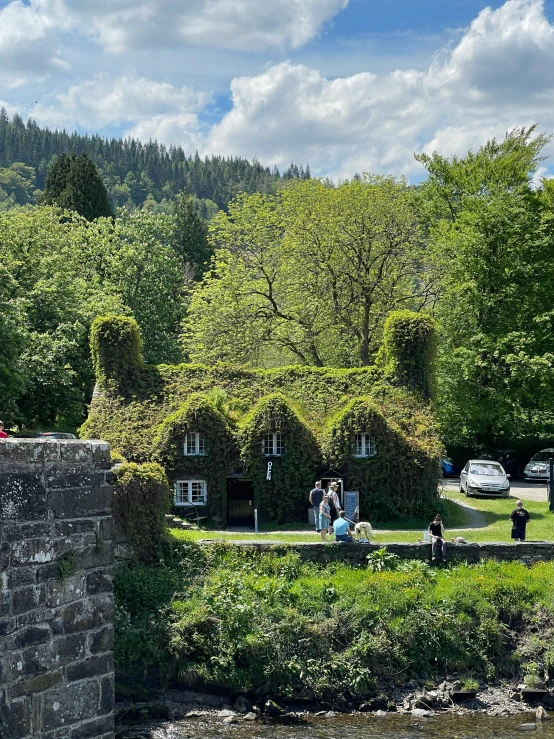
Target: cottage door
[[240, 502]]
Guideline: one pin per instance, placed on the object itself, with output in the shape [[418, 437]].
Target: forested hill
[[135, 173]]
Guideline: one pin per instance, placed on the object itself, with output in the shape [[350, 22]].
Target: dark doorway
[[240, 502]]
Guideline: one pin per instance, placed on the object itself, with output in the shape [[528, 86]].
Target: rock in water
[[330, 714], [229, 720], [226, 714], [527, 727], [541, 714], [421, 713], [250, 716], [242, 704], [272, 709]]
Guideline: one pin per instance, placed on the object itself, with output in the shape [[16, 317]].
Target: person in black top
[[436, 531], [316, 496], [519, 518]]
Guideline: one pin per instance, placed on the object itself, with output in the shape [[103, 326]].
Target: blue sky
[[346, 85]]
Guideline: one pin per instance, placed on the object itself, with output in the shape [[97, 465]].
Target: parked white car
[[539, 466], [484, 477]]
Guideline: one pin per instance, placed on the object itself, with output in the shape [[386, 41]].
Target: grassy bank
[[218, 616]]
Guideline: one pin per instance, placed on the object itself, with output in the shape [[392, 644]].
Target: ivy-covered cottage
[[233, 439]]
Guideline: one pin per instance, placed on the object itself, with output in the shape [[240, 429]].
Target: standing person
[[316, 496], [334, 501], [325, 517], [341, 528], [3, 434], [436, 531], [519, 518]]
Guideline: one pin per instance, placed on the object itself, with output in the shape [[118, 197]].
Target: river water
[[359, 726]]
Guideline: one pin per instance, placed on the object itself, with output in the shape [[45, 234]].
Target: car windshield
[[484, 468], [543, 456]]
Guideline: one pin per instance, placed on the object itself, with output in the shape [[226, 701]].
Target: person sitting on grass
[[519, 518], [436, 531], [342, 529]]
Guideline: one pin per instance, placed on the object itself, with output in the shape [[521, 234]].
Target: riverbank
[[236, 621]]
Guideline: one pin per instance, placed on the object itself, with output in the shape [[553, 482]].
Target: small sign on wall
[[352, 505]]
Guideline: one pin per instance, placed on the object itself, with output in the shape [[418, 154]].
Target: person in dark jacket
[[316, 496], [519, 517], [436, 532]]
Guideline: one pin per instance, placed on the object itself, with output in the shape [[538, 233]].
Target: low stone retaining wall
[[322, 553], [56, 600]]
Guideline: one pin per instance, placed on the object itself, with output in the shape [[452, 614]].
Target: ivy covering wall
[[144, 413], [284, 497], [198, 414], [401, 479]]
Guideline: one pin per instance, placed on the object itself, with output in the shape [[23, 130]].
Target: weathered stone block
[[18, 530], [15, 719], [83, 478], [70, 648], [78, 502], [5, 552], [107, 693], [101, 640], [22, 496], [32, 551], [99, 554], [17, 577], [65, 591], [31, 635], [74, 526], [90, 667], [36, 685], [66, 704], [28, 598], [96, 729], [5, 603], [99, 581]]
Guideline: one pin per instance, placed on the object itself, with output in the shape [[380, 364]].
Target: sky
[[345, 86]]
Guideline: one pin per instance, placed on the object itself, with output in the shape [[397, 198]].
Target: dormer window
[[273, 445], [363, 446], [195, 444]]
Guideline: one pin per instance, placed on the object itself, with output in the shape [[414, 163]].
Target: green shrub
[[142, 497], [284, 497], [409, 343], [199, 414]]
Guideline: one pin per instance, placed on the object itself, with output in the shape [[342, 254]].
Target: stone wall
[[527, 552], [56, 601]]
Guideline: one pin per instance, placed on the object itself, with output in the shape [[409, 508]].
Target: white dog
[[363, 530]]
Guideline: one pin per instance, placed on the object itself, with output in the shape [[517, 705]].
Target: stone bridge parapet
[[56, 600]]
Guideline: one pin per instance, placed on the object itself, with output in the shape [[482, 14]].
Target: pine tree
[[73, 182], [190, 237]]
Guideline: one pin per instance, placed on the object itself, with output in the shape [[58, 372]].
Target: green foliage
[[401, 478], [490, 240], [67, 566], [283, 498], [382, 560], [116, 348], [308, 275], [73, 183], [409, 343], [232, 618], [190, 238], [198, 414], [142, 497]]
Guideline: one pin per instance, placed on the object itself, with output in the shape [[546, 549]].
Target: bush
[[142, 498]]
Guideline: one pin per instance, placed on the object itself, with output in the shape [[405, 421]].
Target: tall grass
[[234, 618]]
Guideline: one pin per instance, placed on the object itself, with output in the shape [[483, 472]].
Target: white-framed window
[[273, 445], [363, 446], [191, 492], [195, 444]]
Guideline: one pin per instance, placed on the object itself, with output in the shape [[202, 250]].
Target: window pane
[[201, 444], [359, 445], [181, 492], [198, 493], [268, 444], [279, 445], [190, 443]]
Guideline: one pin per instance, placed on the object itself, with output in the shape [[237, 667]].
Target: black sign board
[[352, 505]]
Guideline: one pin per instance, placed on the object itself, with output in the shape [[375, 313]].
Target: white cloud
[[29, 41], [126, 101], [499, 75]]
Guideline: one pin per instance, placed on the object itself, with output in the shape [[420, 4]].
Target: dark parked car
[[508, 458], [43, 435]]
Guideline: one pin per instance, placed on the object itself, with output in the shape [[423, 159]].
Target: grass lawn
[[496, 512]]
